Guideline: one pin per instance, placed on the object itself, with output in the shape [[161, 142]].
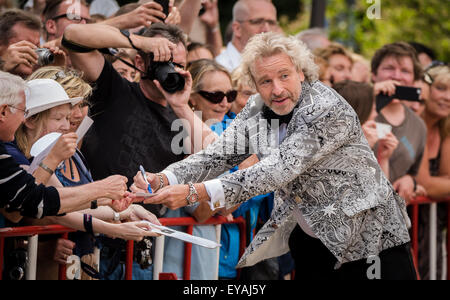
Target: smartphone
[[407, 93], [165, 6]]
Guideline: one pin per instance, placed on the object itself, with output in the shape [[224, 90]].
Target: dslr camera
[[170, 80], [45, 56]]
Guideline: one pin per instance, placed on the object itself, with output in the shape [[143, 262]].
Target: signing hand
[[172, 196]]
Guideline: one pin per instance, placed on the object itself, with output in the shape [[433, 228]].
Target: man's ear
[[3, 112], [50, 27], [139, 62], [236, 26]]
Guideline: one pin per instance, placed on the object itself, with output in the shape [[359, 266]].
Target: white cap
[[44, 94]]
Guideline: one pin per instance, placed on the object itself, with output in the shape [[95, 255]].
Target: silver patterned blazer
[[324, 167]]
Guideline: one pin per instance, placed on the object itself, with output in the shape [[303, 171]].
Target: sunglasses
[[74, 18], [217, 97], [434, 64]]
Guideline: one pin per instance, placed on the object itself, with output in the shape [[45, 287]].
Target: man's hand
[[19, 53], [124, 203], [179, 99], [172, 196], [385, 87], [161, 48], [144, 15], [63, 249]]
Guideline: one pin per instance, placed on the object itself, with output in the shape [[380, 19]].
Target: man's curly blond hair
[[269, 44]]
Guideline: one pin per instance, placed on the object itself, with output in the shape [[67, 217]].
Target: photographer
[[19, 44], [133, 121]]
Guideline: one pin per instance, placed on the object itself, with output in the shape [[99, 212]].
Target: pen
[[149, 188]]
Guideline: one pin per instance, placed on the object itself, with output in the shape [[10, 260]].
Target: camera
[[15, 264], [170, 80], [45, 56], [143, 253]]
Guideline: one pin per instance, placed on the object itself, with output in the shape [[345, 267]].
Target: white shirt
[[230, 58], [103, 7]]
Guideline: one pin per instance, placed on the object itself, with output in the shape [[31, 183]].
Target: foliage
[[423, 21]]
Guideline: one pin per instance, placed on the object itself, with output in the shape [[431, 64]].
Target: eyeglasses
[[217, 97], [261, 21], [73, 17], [25, 111]]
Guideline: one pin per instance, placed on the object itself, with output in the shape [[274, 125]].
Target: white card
[[145, 195], [183, 236], [383, 129], [84, 127]]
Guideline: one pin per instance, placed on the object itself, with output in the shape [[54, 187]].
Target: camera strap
[[113, 52]]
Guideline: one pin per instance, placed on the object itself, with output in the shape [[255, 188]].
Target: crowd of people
[[168, 92]]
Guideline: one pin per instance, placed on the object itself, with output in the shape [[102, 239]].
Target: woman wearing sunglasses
[[212, 93]]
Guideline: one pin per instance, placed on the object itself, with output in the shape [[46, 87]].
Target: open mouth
[[279, 101]]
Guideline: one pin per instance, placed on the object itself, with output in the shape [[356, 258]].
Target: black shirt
[[129, 130], [19, 192]]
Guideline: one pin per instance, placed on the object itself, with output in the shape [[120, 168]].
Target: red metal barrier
[[190, 222], [30, 231], [58, 229], [415, 225]]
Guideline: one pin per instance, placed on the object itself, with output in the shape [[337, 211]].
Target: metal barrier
[[34, 231], [433, 231]]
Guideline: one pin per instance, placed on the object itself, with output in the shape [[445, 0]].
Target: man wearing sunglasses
[[250, 17], [333, 206]]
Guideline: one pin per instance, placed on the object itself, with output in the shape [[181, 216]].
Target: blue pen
[[149, 187]]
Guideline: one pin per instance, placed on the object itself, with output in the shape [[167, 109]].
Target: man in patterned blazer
[[334, 209]]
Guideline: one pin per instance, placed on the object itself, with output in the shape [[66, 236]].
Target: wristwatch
[[192, 198]]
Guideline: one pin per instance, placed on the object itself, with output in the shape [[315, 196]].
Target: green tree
[[350, 22]]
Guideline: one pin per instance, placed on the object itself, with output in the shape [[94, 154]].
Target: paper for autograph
[[183, 236]]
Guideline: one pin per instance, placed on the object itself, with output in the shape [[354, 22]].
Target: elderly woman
[[434, 172], [18, 189], [333, 207], [51, 113]]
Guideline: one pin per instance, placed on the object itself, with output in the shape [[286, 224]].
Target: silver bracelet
[[46, 168], [161, 180]]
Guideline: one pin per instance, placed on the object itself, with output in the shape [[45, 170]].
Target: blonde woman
[[434, 173], [48, 113]]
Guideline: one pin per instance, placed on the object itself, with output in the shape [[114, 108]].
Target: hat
[[44, 94]]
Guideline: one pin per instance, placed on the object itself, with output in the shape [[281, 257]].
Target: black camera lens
[[170, 80]]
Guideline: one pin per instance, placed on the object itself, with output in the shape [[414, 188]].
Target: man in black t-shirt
[[133, 121]]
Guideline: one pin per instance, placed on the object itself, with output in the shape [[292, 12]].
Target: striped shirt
[[19, 192]]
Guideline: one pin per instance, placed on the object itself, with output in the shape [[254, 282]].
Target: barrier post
[[448, 241], [2, 252], [129, 261], [62, 269], [30, 272], [159, 257], [415, 231], [188, 255], [433, 241]]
